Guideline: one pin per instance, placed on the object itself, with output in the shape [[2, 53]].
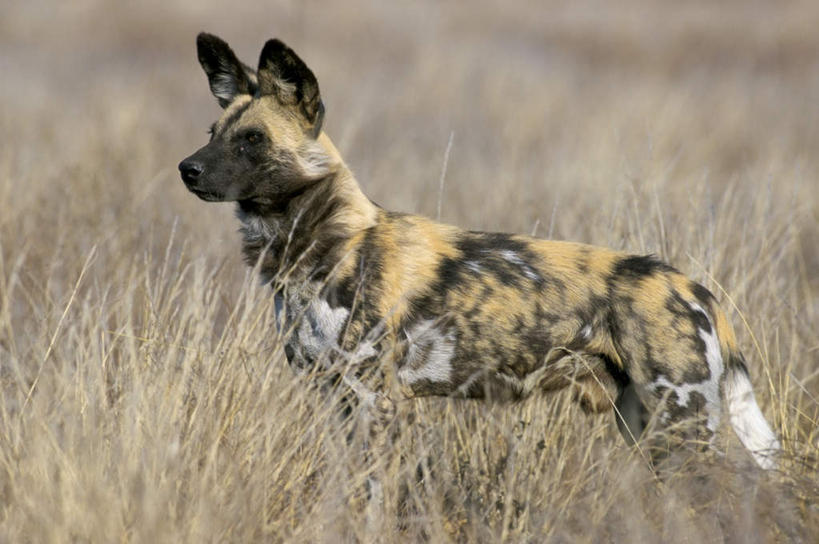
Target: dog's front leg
[[378, 412]]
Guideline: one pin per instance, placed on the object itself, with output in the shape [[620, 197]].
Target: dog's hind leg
[[630, 414], [675, 377], [605, 387]]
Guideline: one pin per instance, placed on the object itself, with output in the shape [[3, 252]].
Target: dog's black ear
[[228, 77], [284, 75]]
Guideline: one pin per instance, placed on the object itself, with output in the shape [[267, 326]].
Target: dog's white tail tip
[[747, 419]]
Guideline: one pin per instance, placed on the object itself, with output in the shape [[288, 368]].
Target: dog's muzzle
[[190, 171]]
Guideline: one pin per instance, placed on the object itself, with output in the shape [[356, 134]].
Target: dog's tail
[[746, 417]]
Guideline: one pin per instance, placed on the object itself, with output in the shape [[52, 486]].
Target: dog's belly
[[456, 356], [467, 343], [477, 360]]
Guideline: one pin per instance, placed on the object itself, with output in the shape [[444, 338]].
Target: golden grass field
[[145, 397]]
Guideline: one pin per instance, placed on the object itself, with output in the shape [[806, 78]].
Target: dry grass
[[144, 394]]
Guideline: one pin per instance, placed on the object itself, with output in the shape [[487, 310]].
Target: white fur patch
[[429, 356], [748, 422], [320, 327], [314, 161], [363, 351], [708, 388], [515, 259], [474, 267], [223, 85]]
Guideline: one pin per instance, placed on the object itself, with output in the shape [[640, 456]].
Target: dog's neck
[[304, 234]]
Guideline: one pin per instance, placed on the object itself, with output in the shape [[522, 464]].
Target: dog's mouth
[[207, 196]]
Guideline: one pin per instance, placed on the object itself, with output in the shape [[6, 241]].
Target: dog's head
[[264, 147]]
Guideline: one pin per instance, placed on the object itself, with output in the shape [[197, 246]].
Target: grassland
[[145, 397]]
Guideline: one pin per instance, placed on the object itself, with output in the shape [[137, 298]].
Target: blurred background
[[551, 106]]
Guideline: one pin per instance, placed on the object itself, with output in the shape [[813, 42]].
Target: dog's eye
[[253, 137]]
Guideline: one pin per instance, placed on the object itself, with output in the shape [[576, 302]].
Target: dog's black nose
[[190, 170]]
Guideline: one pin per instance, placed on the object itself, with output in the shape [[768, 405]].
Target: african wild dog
[[423, 308]]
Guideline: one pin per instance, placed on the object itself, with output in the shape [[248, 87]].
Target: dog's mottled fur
[[430, 309]]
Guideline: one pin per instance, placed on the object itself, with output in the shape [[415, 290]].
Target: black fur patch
[[640, 266], [227, 76], [702, 294], [485, 250], [234, 116]]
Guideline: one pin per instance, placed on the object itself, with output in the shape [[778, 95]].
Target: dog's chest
[[314, 331], [312, 327], [255, 229], [260, 241]]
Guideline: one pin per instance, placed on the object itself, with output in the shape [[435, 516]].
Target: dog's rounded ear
[[284, 75], [228, 77]]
